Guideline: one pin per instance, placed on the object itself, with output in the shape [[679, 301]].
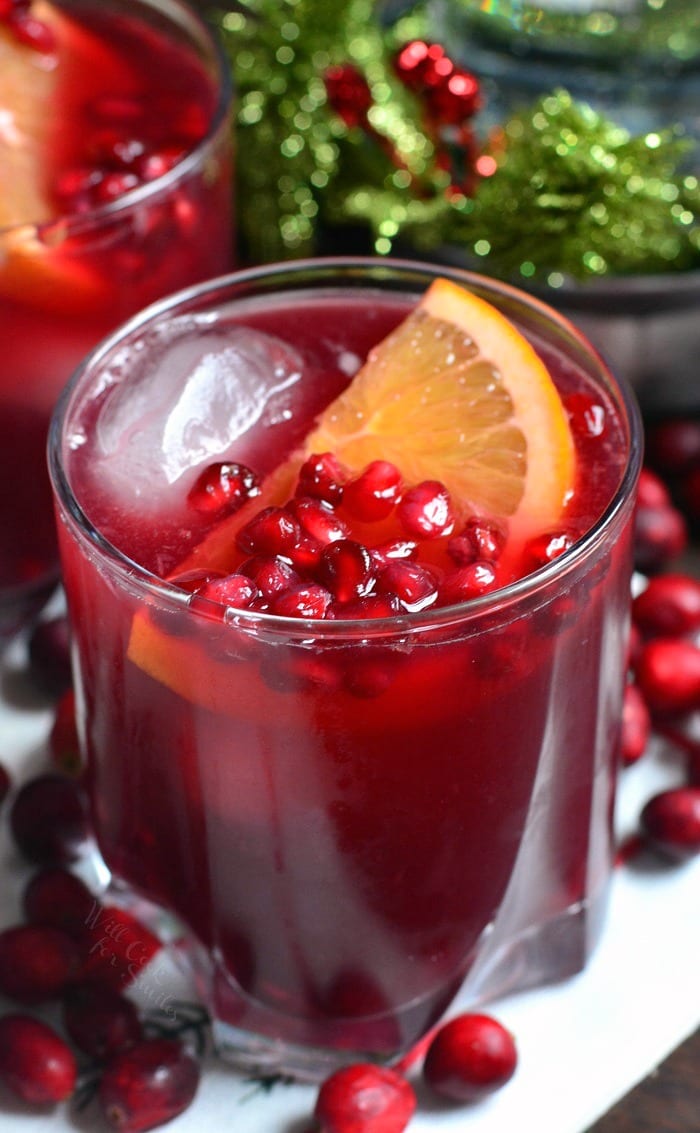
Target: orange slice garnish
[[454, 393]]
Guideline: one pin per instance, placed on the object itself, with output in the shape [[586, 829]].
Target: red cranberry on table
[[364, 1098], [35, 1062], [636, 726], [100, 1021], [670, 822], [49, 655], [148, 1084], [669, 606], [56, 897], [37, 963], [470, 1057], [48, 819], [668, 674]]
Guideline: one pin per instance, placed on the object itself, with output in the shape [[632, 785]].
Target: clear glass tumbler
[[350, 818], [144, 211]]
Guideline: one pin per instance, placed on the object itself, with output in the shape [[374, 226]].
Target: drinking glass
[[349, 819], [67, 281]]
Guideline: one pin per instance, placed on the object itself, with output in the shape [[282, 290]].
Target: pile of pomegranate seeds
[[17, 16], [353, 546]]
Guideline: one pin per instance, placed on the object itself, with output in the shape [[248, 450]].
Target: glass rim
[[362, 268], [70, 224]]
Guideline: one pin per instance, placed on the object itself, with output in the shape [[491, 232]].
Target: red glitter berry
[[469, 1058], [364, 1099]]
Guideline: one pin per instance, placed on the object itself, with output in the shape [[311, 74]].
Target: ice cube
[[195, 386]]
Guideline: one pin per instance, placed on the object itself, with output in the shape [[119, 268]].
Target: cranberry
[[668, 674], [273, 531], [307, 600], [660, 535], [373, 494], [48, 819], [673, 446], [147, 1085], [35, 1063], [413, 585], [37, 963], [669, 606], [64, 746], [49, 655], [318, 520], [363, 1098], [670, 822], [99, 1020], [636, 726], [651, 490], [425, 510], [482, 538], [468, 582], [470, 1057], [223, 488], [322, 477], [57, 898], [345, 568]]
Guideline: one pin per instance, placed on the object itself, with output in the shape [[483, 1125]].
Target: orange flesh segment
[[385, 413]]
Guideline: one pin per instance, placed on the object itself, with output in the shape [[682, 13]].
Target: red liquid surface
[[338, 818], [119, 82]]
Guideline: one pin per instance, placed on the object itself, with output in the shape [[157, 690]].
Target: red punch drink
[[348, 560], [114, 190]]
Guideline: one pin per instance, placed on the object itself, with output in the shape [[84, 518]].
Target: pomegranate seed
[[468, 582], [271, 575], [35, 1063], [371, 606], [232, 590], [364, 1099], [116, 947], [318, 520], [373, 494], [345, 568], [587, 416], [74, 187], [371, 672], [544, 549], [32, 32], [322, 477], [48, 819], [307, 600], [36, 963], [159, 162], [100, 1021], [425, 511], [670, 606], [673, 446], [273, 531], [49, 655], [668, 674], [64, 747], [116, 108], [395, 549], [670, 822], [413, 585], [651, 490], [115, 185], [660, 535], [306, 556], [56, 898], [147, 1085], [223, 488], [481, 538], [470, 1057], [636, 726]]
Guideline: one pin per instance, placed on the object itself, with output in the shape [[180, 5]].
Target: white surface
[[582, 1044]]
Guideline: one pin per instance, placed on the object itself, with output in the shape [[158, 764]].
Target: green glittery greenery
[[574, 195]]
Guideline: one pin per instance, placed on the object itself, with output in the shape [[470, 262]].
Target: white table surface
[[582, 1044]]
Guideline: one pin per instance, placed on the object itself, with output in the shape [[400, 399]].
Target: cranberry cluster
[[305, 559], [26, 28]]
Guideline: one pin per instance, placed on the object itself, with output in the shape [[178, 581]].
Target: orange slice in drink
[[34, 270], [455, 393]]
